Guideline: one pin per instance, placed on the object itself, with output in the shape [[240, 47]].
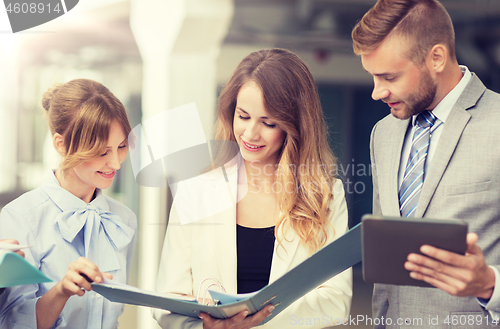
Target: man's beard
[[421, 99]]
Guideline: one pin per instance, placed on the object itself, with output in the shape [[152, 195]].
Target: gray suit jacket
[[463, 182]]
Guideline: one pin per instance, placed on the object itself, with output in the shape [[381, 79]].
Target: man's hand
[[455, 274]]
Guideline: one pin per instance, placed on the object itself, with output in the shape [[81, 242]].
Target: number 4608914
[[32, 8]]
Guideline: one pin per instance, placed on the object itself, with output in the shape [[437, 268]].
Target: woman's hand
[[76, 280], [239, 321], [79, 277], [19, 252]]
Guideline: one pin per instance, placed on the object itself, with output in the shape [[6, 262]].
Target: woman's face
[[99, 172], [258, 136]]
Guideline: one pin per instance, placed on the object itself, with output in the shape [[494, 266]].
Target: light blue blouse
[[62, 227]]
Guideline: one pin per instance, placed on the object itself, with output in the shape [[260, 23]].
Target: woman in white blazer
[[265, 210]]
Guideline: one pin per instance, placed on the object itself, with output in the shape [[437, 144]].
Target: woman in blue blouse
[[78, 234]]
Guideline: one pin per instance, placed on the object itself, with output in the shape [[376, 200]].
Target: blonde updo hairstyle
[[82, 112]]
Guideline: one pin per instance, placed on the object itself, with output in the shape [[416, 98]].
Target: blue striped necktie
[[413, 179]]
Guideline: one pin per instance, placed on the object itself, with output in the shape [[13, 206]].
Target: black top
[[254, 248]]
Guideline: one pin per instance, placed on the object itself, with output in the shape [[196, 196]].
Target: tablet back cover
[[387, 241]]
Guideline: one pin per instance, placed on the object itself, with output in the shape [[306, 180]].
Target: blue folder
[[321, 266], [16, 271]]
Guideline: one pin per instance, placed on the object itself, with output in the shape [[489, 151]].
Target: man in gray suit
[[436, 156]]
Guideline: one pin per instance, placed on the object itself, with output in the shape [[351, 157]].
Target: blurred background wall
[[155, 55]]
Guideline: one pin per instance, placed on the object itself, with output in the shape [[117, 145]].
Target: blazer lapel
[[391, 186], [222, 227], [453, 129]]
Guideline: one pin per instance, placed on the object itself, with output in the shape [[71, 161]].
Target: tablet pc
[[387, 241]]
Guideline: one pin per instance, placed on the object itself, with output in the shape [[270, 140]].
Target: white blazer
[[207, 248]]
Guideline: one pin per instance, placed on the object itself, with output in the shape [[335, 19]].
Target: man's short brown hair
[[424, 23]]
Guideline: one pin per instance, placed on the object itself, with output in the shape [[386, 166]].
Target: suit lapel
[[453, 129], [396, 141]]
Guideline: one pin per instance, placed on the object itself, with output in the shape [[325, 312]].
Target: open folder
[[15, 271], [321, 266]]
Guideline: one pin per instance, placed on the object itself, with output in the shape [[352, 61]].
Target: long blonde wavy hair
[[291, 100]]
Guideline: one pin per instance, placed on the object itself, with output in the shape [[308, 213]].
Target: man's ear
[[437, 58], [58, 142]]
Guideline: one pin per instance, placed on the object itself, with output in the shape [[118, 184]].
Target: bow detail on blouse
[[104, 234]]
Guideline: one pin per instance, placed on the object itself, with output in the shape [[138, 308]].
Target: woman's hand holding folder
[[12, 241], [239, 321]]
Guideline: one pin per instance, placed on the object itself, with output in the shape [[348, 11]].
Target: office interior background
[[155, 55]]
